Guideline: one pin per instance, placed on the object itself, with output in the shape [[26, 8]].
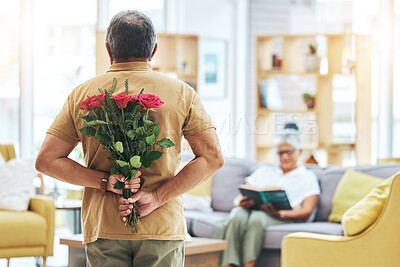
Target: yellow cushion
[[22, 229], [352, 187], [7, 151], [364, 213], [203, 189]]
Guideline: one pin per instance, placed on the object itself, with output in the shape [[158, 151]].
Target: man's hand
[[145, 201], [246, 203], [133, 184]]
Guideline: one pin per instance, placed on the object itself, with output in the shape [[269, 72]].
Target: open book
[[275, 195]]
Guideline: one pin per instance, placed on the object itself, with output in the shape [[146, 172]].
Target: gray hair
[[290, 137], [131, 34]]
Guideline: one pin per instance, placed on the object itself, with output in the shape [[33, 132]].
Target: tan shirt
[[182, 114]]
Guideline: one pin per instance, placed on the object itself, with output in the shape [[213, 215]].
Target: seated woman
[[244, 228]]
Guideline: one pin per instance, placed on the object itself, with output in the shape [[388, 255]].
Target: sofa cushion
[[15, 232], [363, 214], [202, 223], [274, 234], [345, 194], [226, 183], [332, 176]]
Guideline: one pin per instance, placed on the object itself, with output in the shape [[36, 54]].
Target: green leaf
[[130, 134], [115, 171], [88, 131], [140, 130], [135, 161], [156, 130], [165, 143], [88, 118], [119, 147], [146, 163], [96, 122], [142, 146], [122, 163], [133, 173], [126, 87], [113, 86], [153, 155], [125, 170], [151, 139], [119, 185], [148, 122], [97, 135]]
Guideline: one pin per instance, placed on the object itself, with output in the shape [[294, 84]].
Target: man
[[131, 43]]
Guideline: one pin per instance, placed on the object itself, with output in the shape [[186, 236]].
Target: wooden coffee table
[[199, 252]]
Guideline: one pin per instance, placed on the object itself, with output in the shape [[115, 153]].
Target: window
[[9, 73]]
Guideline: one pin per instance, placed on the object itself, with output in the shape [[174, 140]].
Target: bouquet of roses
[[124, 128]]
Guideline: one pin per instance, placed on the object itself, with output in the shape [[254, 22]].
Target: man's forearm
[[67, 170], [194, 173]]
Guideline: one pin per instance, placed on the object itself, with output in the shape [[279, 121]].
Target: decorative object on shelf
[[212, 68], [276, 61], [313, 61], [309, 99]]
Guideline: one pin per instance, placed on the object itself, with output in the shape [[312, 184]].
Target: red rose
[[96, 103], [92, 102], [134, 97], [121, 100], [150, 101], [86, 104]]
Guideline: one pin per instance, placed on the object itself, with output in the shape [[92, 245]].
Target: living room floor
[[59, 258]]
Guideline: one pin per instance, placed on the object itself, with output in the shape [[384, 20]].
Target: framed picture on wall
[[212, 68]]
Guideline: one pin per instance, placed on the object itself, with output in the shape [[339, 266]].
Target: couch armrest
[[44, 205], [376, 246]]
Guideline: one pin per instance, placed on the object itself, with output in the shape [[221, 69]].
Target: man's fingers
[[124, 201], [138, 174], [125, 213], [125, 207]]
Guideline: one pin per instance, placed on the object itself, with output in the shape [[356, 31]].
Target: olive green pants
[[137, 253], [244, 232]]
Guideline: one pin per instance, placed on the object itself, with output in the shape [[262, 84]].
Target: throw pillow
[[16, 178], [363, 214], [352, 187], [198, 198]]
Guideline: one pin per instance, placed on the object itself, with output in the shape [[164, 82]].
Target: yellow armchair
[[27, 233], [379, 245]]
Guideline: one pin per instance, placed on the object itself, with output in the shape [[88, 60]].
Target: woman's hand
[[271, 210], [246, 203]]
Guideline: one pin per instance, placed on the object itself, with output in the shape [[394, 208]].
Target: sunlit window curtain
[[9, 73], [64, 56]]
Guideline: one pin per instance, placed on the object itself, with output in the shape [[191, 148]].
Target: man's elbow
[[41, 163], [218, 161]]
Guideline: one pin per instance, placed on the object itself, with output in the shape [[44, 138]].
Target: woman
[[244, 228]]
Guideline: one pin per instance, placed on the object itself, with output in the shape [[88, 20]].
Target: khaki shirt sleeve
[[197, 119], [63, 126]]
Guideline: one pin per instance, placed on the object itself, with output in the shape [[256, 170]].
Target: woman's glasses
[[288, 152]]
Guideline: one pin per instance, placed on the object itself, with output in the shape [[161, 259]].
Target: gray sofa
[[225, 188]]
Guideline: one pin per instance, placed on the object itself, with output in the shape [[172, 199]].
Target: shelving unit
[[177, 56], [344, 58]]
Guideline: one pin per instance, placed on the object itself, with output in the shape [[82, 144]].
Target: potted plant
[[313, 61], [309, 99]]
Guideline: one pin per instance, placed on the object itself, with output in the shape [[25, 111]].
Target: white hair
[[290, 137]]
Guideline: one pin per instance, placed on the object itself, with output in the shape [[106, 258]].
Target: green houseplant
[[309, 99]]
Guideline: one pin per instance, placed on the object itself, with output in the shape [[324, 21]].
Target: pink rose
[[150, 101], [121, 100]]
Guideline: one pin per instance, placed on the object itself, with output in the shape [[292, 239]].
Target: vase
[[313, 62]]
